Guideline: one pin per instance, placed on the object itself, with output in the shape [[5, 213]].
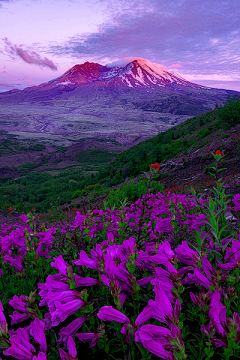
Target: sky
[[41, 39]]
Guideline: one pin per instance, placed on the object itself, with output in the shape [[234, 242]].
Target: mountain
[[140, 74], [121, 105]]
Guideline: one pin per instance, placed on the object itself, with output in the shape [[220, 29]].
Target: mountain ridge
[[139, 72], [105, 102]]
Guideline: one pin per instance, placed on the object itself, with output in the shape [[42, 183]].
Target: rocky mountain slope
[[119, 105]]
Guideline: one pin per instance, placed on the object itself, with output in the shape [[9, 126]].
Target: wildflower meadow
[[157, 279]]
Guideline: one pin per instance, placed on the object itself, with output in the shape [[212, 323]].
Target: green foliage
[[96, 156], [132, 192], [230, 112], [95, 189], [204, 133]]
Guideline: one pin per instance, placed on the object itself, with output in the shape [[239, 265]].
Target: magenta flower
[[163, 225], [198, 278], [19, 317], [21, 304], [71, 346], [218, 312], [15, 262], [144, 316], [232, 256], [40, 356], [64, 310], [79, 219], [145, 281], [93, 337], [107, 313], [71, 329], [3, 322], [85, 261], [153, 338], [20, 346], [86, 281], [186, 255], [60, 264], [236, 201], [37, 331], [198, 222], [24, 218], [85, 336]]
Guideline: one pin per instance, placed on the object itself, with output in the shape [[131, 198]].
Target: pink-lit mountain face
[[117, 105], [137, 74]]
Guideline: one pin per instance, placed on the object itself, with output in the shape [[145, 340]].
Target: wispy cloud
[[30, 57], [202, 37]]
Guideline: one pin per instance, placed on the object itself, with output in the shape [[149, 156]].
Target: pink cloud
[[174, 66], [30, 57]]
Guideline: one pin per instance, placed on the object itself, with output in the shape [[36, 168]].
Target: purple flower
[[60, 264], [79, 219], [236, 201], [3, 322], [64, 310], [164, 225], [71, 329], [232, 256], [37, 331], [15, 262], [197, 277], [85, 336], [186, 255], [85, 261], [20, 346], [153, 338], [19, 303], [145, 281], [93, 337], [144, 316], [17, 317], [24, 218], [162, 309], [41, 356], [86, 281], [107, 313], [218, 312], [71, 346], [199, 221]]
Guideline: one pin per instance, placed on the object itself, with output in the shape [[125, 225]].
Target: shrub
[[230, 112], [132, 192], [96, 189]]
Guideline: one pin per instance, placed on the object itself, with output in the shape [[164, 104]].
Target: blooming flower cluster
[[134, 273]]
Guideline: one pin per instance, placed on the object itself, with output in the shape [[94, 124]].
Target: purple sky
[[41, 39]]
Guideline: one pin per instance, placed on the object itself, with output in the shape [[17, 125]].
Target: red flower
[[218, 152], [155, 166], [10, 208]]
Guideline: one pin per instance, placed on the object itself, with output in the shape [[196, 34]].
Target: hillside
[[184, 152]]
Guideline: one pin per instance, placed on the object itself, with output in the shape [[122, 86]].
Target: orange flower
[[10, 208], [155, 166], [219, 183], [218, 152], [224, 197]]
